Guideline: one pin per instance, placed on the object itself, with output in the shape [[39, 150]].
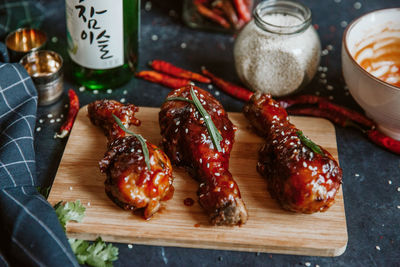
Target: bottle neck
[[282, 17]]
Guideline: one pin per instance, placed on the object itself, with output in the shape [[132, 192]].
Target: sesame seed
[[52, 121], [378, 247], [183, 45], [38, 129], [177, 123], [343, 24], [389, 182], [208, 165], [210, 86], [329, 87], [357, 5], [325, 52], [109, 91], [41, 121], [49, 115], [125, 92], [217, 93], [62, 116], [329, 47], [322, 75], [398, 189], [331, 97], [54, 39], [147, 6], [217, 174], [398, 206], [122, 100], [95, 92], [176, 130], [186, 130], [82, 88], [307, 264], [58, 120], [338, 1], [154, 37], [130, 246], [66, 106]]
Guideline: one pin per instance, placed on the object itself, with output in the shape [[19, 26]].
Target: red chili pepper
[[229, 88], [334, 117], [324, 103], [170, 69], [352, 115], [72, 112], [243, 10], [384, 141], [208, 13], [164, 79], [302, 99], [230, 13]]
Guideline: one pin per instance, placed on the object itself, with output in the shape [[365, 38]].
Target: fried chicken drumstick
[[130, 184], [302, 176], [187, 142]]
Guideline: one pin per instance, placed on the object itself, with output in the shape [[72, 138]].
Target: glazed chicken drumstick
[[302, 176], [130, 184], [187, 142]]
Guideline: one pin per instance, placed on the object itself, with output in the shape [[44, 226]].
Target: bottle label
[[95, 33]]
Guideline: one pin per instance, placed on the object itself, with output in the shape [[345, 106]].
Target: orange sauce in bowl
[[381, 58]]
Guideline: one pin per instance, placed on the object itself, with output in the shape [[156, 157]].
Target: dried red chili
[[72, 112], [208, 13], [230, 13], [322, 113], [164, 79], [323, 103], [243, 10], [170, 69], [384, 141], [229, 88]]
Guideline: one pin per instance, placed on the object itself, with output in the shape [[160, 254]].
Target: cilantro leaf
[[97, 254], [71, 211], [44, 191]]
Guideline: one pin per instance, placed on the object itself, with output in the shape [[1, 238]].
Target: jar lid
[[299, 16]]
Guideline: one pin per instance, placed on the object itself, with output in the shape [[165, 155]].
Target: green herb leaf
[[212, 129], [97, 254], [310, 144], [44, 191], [139, 137], [71, 211], [215, 135]]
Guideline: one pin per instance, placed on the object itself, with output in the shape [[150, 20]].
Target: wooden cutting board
[[269, 228]]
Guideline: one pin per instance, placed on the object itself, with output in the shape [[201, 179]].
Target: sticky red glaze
[[188, 143], [100, 114], [130, 184], [300, 179], [188, 201]]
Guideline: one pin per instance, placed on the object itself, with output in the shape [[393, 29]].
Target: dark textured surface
[[373, 218]]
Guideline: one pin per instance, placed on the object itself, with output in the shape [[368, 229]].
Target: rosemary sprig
[[215, 135], [139, 137], [308, 143]]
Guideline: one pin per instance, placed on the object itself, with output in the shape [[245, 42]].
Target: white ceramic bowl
[[379, 99]]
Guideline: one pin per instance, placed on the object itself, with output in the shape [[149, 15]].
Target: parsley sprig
[[139, 137], [310, 144], [97, 254], [211, 128]]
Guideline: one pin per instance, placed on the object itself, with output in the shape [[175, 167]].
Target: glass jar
[[277, 52]]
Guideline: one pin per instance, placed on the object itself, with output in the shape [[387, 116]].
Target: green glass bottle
[[103, 41]]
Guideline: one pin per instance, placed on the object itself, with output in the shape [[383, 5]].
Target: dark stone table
[[371, 175]]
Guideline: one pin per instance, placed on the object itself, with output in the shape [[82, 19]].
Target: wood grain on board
[[269, 228]]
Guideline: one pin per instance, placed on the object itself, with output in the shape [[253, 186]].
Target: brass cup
[[24, 40], [46, 70]]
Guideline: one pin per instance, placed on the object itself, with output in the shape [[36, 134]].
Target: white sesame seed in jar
[[278, 51]]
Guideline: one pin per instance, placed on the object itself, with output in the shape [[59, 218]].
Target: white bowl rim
[[344, 41]]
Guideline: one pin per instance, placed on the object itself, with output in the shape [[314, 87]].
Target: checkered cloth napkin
[[30, 233]]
